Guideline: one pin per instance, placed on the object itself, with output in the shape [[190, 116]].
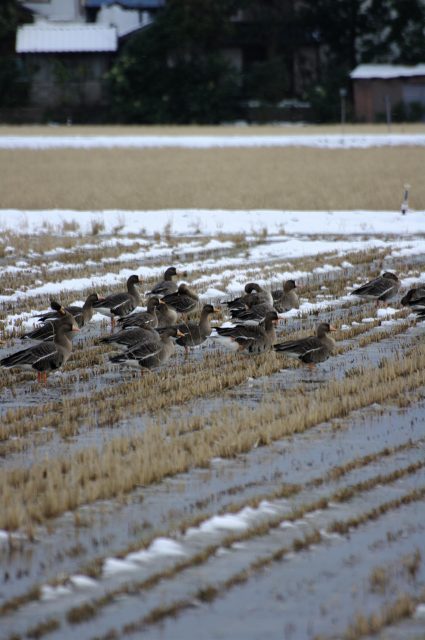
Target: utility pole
[[342, 96]]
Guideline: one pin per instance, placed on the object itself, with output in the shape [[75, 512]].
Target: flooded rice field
[[244, 496]]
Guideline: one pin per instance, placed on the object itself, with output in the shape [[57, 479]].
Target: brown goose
[[252, 338], [286, 298], [167, 285], [150, 353], [82, 316], [167, 316], [194, 333], [120, 304], [255, 314], [380, 289], [254, 294], [146, 318], [310, 350], [131, 337], [415, 298], [183, 301], [46, 356]]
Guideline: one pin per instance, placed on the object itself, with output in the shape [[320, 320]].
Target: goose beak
[[180, 334], [333, 328], [75, 327], [161, 302]]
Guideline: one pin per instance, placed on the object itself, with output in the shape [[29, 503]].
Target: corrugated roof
[[66, 37], [386, 71], [129, 4]]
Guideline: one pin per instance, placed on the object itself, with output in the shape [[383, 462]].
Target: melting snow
[[324, 141], [142, 223]]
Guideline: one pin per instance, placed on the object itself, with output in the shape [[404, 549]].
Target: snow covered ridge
[[207, 221], [327, 141]]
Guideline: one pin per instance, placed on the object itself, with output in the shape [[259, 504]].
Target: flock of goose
[[147, 339]]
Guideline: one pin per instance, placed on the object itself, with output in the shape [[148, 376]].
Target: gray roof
[[65, 37]]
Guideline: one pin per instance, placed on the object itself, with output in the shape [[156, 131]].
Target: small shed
[[67, 61], [379, 88]]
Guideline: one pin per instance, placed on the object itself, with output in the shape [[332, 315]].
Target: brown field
[[274, 178], [283, 178], [169, 130]]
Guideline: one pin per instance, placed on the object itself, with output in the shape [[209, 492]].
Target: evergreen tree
[[350, 32], [173, 71], [13, 84]]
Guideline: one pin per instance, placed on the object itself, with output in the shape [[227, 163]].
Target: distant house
[[379, 89], [67, 62], [71, 45]]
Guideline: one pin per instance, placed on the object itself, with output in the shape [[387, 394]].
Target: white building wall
[[125, 20], [57, 10]]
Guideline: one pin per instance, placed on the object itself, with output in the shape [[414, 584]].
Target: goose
[[252, 338], [167, 285], [194, 333], [146, 318], [310, 350], [183, 301], [82, 316], [131, 337], [415, 298], [46, 356], [167, 316], [150, 353], [286, 298], [120, 304], [380, 289], [254, 314], [254, 294]]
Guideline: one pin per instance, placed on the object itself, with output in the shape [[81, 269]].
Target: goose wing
[[299, 348], [117, 303], [44, 333], [166, 287], [141, 319], [375, 288], [257, 313], [241, 333], [131, 337], [31, 356]]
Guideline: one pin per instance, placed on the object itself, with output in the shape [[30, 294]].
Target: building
[[382, 90], [70, 47]]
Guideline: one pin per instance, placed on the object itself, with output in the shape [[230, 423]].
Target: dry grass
[[171, 130], [45, 491], [285, 178]]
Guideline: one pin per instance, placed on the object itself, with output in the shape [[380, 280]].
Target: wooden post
[[405, 204]]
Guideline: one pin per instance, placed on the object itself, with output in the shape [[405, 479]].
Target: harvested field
[[247, 495], [334, 171]]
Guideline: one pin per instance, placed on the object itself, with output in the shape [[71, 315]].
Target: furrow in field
[[69, 541], [271, 532], [90, 474]]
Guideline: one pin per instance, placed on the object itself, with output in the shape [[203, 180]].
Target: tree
[[174, 71], [13, 84], [350, 32]]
